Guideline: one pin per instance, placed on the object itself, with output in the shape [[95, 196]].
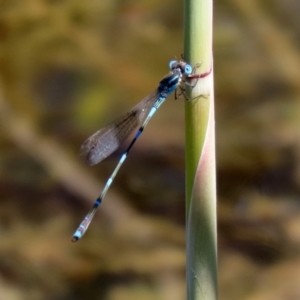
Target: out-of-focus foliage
[[67, 67]]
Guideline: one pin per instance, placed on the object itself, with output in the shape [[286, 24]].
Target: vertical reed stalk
[[201, 219]]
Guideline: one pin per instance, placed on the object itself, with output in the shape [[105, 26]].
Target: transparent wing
[[108, 139]]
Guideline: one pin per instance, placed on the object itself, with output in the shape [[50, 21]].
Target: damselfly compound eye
[[172, 63], [188, 69]]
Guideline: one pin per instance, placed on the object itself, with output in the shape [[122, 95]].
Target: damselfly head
[[183, 66]]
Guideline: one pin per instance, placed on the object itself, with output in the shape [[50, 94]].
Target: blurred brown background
[[67, 67]]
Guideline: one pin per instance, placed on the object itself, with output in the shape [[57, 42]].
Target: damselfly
[[105, 141]]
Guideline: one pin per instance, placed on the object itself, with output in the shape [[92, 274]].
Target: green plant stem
[[201, 217]]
